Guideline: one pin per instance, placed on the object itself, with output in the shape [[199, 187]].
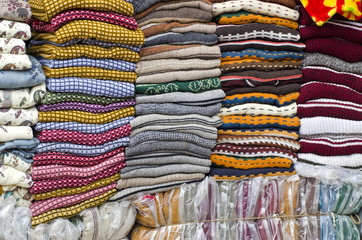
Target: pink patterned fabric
[[66, 17], [82, 138]]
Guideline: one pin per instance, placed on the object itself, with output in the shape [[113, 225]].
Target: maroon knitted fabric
[[328, 147]]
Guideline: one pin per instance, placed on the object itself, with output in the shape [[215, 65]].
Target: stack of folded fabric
[[330, 102], [21, 88], [260, 65], [88, 51], [178, 95]]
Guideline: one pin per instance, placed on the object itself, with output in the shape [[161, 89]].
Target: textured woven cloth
[[12, 46], [181, 39], [15, 10], [16, 162], [66, 17], [331, 147], [252, 53], [347, 161], [263, 98], [235, 122], [255, 109], [90, 86], [45, 10], [251, 64], [18, 117], [235, 174], [273, 132], [93, 108], [262, 45], [152, 29], [277, 90], [18, 30], [14, 62], [176, 109], [166, 158], [54, 98]]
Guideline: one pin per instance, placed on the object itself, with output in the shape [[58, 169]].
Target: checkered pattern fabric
[[92, 108], [87, 29], [52, 98], [91, 86]]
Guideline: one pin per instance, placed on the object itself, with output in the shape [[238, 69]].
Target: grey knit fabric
[[141, 5], [200, 51], [181, 39], [176, 109], [166, 158]]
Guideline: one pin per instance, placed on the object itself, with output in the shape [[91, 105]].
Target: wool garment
[[162, 170], [221, 174], [277, 90], [10, 133], [182, 39], [349, 52], [50, 51], [316, 90], [236, 122], [23, 78], [12, 29], [263, 98], [330, 108], [273, 132], [279, 142], [200, 130], [196, 86], [12, 46], [144, 181], [244, 17], [287, 3], [83, 138], [186, 75], [26, 153], [180, 52], [14, 62], [252, 53], [250, 64], [85, 29], [228, 33], [256, 109], [17, 10], [53, 158], [95, 87], [262, 45], [166, 158], [11, 160], [150, 136], [180, 147], [176, 109], [93, 108], [229, 84], [54, 98], [332, 127], [140, 5], [72, 15], [83, 127], [45, 10], [18, 117], [331, 147], [158, 28], [262, 76], [12, 176], [353, 161]]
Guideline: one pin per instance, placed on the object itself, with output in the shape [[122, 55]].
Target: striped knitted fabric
[[263, 98], [221, 174], [273, 132], [236, 122]]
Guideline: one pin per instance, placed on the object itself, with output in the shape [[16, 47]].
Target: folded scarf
[[266, 141], [154, 29], [261, 55], [15, 10], [11, 29], [273, 132], [54, 98], [172, 76], [50, 51], [331, 147], [262, 45], [256, 109], [12, 46], [278, 89], [181, 39], [263, 98], [66, 17], [24, 78], [150, 136], [347, 161], [10, 133], [176, 109], [85, 29], [270, 9], [236, 174], [108, 64], [83, 138], [196, 86], [236, 122], [227, 33], [53, 158], [264, 65], [16, 162], [90, 86], [85, 117], [83, 127], [14, 62], [13, 177], [45, 10], [165, 159], [61, 192], [167, 65], [244, 17], [18, 117]]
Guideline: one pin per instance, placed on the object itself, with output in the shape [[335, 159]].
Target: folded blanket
[[27, 154], [287, 3], [252, 53], [270, 9], [45, 10], [10, 133], [181, 39], [50, 51], [262, 45], [16, 162], [347, 161], [236, 122], [66, 17], [176, 109], [12, 46], [83, 127], [165, 159], [15, 10], [264, 65], [90, 86], [158, 28], [196, 86], [13, 177], [255, 109], [168, 65], [331, 147], [235, 174], [273, 132], [93, 108], [263, 98], [11, 29], [18, 117], [277, 89], [85, 29], [14, 62], [227, 33], [24, 78]]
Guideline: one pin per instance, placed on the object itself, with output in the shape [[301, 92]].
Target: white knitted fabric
[[323, 102], [255, 109], [354, 160]]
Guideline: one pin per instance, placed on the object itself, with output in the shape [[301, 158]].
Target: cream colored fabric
[[255, 109], [9, 133], [11, 160], [11, 176]]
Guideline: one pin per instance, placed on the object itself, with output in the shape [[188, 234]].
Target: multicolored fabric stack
[[260, 65], [89, 52], [178, 96], [330, 102], [21, 88]]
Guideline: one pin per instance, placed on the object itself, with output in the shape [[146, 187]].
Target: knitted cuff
[[330, 146]]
